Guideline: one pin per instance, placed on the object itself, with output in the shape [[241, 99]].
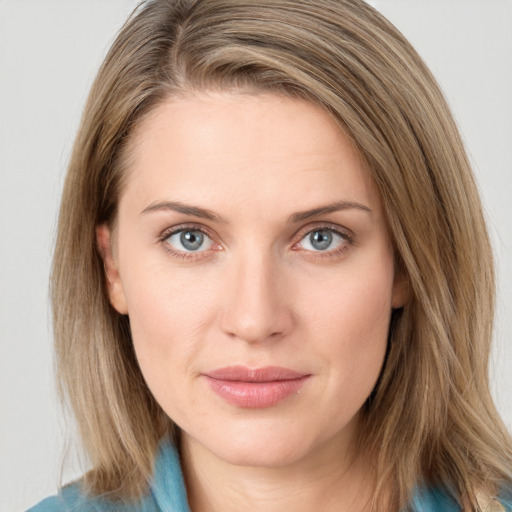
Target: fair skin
[[246, 278]]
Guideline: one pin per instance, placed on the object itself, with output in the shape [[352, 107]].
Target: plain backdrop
[[49, 53]]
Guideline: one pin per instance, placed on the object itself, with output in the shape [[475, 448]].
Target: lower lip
[[256, 395]]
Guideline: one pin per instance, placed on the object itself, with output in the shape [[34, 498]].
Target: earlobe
[[113, 279], [401, 291]]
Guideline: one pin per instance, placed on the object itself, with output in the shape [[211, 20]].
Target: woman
[[273, 287]]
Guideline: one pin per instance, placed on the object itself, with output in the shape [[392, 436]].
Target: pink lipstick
[[255, 388]]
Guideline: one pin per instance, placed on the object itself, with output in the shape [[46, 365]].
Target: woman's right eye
[[189, 240]]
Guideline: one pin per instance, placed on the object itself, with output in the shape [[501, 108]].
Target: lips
[[255, 388]]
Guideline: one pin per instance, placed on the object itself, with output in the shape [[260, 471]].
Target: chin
[[260, 443], [262, 455]]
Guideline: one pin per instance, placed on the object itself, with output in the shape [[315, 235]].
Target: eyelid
[[190, 255], [167, 232], [345, 233], [328, 255]]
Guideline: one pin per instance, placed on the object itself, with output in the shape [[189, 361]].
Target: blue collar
[[168, 486]]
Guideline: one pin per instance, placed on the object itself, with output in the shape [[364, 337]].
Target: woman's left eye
[[322, 240], [189, 240]]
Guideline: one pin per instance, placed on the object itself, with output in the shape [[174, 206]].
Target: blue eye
[[322, 240], [189, 240]]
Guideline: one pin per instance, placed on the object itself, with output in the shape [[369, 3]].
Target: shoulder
[[167, 491], [435, 499], [505, 498], [71, 499]]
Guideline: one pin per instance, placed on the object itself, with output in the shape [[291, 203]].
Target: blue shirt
[[167, 493]]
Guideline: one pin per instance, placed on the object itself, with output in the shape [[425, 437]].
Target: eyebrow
[[203, 213], [183, 208], [330, 208]]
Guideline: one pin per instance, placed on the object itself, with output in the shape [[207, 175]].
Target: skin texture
[[257, 293]]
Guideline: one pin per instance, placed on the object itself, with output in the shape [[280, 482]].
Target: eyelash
[[348, 240], [345, 235], [187, 256]]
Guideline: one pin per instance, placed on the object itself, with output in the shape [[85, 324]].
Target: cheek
[[171, 310], [355, 302], [350, 321]]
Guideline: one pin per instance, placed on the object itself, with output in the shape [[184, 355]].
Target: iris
[[321, 239]]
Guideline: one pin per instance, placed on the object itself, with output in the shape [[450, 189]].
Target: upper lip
[[265, 374]]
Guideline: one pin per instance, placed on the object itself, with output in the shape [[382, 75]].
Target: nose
[[256, 309]]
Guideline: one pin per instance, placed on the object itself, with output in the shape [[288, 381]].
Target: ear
[[401, 290], [114, 284]]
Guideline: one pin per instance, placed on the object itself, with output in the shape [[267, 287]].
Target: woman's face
[[252, 257]]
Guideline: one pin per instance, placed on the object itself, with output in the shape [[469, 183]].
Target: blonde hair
[[430, 419]]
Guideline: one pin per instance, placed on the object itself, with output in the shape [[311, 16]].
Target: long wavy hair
[[430, 419]]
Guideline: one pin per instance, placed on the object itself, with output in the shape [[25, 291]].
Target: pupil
[[192, 240], [321, 240]]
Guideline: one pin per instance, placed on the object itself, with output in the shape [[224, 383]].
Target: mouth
[[255, 388]]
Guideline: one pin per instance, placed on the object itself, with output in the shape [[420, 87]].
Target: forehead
[[235, 148]]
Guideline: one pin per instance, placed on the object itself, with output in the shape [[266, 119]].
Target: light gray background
[[49, 52]]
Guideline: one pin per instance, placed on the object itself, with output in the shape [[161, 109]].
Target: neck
[[328, 480]]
